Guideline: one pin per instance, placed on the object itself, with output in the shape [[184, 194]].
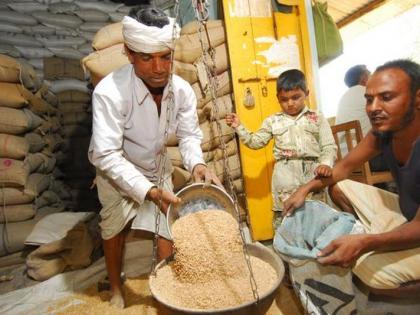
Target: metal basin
[[196, 197], [249, 308]]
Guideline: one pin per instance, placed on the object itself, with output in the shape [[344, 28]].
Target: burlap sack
[[217, 64], [16, 121], [180, 178], [13, 173], [53, 142], [101, 63], [58, 68], [35, 141], [9, 69], [234, 167], [72, 107], [45, 93], [77, 118], [193, 27], [108, 36], [231, 149], [47, 198], [13, 147], [74, 96], [14, 95], [208, 156], [203, 93], [238, 185], [188, 46], [72, 252], [40, 107], [172, 140], [14, 196], [37, 183], [223, 106], [16, 213], [49, 125], [175, 156], [13, 235], [39, 163], [186, 71], [211, 137]]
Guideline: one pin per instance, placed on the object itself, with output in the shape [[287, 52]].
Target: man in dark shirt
[[388, 254]]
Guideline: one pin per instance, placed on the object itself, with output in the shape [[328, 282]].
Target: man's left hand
[[202, 173], [343, 251]]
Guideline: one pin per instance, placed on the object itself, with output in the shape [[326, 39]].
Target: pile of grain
[[209, 270]]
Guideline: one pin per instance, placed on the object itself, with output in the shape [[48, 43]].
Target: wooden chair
[[353, 135]]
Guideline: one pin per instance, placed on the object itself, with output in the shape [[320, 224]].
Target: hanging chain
[[199, 7], [162, 160]]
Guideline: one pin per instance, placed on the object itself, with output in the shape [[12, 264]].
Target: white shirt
[[352, 106], [128, 135]]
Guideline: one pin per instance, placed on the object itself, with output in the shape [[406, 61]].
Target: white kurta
[[128, 135]]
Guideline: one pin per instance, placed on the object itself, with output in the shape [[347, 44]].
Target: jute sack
[[13, 235], [16, 121], [231, 149], [58, 68], [193, 27], [35, 141], [234, 167], [16, 213], [36, 184], [219, 64], [40, 107], [14, 196], [47, 198], [203, 93], [172, 140], [14, 95], [45, 93], [224, 106], [188, 46], [39, 163], [74, 96], [13, 147], [72, 107], [238, 185], [211, 138], [53, 142], [13, 173], [108, 36], [13, 72], [49, 125], [208, 156], [180, 178], [186, 71], [101, 63], [77, 118], [175, 156]]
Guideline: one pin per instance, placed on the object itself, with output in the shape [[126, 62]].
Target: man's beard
[[406, 120]]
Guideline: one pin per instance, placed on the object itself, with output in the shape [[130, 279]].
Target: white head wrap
[[149, 39]]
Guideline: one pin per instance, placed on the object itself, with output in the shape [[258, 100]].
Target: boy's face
[[293, 101]]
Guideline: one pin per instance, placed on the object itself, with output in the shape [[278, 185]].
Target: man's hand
[[203, 173], [161, 198], [296, 200], [232, 120], [323, 171], [343, 251]]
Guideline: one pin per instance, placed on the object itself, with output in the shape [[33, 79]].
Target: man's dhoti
[[379, 212], [118, 209]]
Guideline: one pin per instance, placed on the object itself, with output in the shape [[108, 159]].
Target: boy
[[304, 146]]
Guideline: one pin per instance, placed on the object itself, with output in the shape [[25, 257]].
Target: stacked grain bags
[[26, 161], [189, 64]]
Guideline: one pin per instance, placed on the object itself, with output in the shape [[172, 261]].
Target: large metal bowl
[[196, 197], [249, 308]]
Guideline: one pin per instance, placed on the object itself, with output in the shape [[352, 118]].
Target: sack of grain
[[9, 50], [27, 7], [101, 63], [16, 121], [61, 41], [203, 93], [13, 173], [108, 36], [13, 147], [175, 156], [211, 137], [193, 27], [231, 148], [223, 105], [37, 183], [61, 20], [35, 141], [16, 213], [13, 72], [14, 95], [49, 125], [180, 178], [17, 18], [40, 107], [186, 71], [14, 196], [90, 15], [66, 52], [21, 40], [105, 7], [74, 96]]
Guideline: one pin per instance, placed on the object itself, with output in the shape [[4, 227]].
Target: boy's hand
[[296, 200], [323, 171], [232, 120]]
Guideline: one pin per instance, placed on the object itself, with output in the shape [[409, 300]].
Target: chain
[[162, 160], [213, 85]]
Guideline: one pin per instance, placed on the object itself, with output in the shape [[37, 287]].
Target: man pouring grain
[[130, 117]]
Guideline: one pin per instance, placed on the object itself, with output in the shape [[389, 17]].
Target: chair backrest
[[352, 133]]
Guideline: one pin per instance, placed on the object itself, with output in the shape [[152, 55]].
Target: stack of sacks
[[26, 156], [189, 64], [33, 30]]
